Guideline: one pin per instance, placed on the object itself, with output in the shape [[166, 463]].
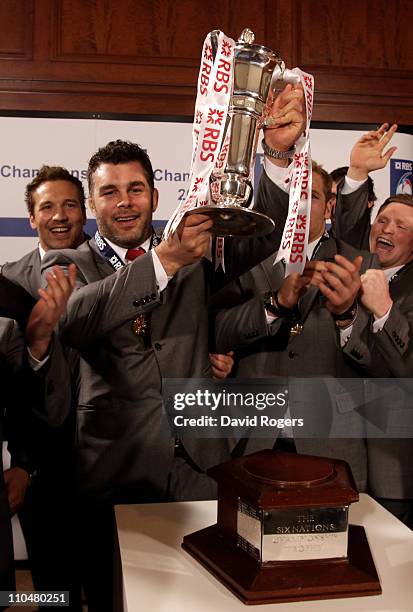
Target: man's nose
[[124, 199], [60, 214], [388, 228]]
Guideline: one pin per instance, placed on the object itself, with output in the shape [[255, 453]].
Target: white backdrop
[[27, 143]]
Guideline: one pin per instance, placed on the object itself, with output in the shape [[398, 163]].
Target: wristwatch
[[346, 316], [272, 305], [275, 154]]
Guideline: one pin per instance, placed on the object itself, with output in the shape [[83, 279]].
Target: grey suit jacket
[[48, 386], [124, 445], [387, 354], [352, 216], [268, 351], [26, 272], [264, 350]]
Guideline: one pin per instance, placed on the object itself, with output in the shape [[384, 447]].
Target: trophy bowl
[[232, 220]]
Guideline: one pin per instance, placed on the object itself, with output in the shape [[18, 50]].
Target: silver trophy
[[256, 70]]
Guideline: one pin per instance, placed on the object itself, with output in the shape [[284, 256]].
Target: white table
[[159, 576]]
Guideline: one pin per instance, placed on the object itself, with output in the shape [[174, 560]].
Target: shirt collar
[[390, 272], [311, 247], [121, 251]]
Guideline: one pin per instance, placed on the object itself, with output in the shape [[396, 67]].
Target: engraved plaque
[[292, 534], [313, 533], [249, 529]]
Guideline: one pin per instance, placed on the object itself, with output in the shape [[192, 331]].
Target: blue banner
[[401, 176]]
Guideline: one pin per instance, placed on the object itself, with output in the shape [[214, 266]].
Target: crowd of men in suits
[[133, 309]]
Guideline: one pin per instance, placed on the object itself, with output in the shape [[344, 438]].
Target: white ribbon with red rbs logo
[[214, 92], [294, 242]]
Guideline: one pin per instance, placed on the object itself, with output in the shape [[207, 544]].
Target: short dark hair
[[52, 173], [400, 198], [339, 173], [327, 182], [120, 152]]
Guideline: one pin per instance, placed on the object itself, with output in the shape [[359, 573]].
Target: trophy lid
[[272, 479], [245, 44], [285, 471]]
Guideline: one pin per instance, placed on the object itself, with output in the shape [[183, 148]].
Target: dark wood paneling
[[355, 34], [16, 27], [165, 33], [141, 57]]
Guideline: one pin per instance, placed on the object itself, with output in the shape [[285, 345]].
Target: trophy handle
[[281, 73]]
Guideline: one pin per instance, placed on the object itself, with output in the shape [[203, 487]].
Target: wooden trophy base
[[277, 582]]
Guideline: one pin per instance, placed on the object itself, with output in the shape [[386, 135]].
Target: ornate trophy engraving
[[255, 69]]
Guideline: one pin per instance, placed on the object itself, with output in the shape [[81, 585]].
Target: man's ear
[[329, 206], [91, 205], [32, 222], [155, 199]]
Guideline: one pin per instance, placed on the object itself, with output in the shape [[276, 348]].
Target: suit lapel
[[103, 266], [269, 277], [34, 275], [401, 285]]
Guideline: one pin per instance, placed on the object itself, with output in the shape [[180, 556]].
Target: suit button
[[153, 296], [292, 354], [136, 303], [158, 346]]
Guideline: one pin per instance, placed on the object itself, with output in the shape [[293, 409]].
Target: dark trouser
[[285, 445], [401, 508], [188, 484], [6, 543], [100, 558], [48, 520]]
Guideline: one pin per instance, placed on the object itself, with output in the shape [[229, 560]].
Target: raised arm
[[287, 112], [352, 215]]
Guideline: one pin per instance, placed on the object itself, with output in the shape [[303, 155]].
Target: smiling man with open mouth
[[391, 236], [123, 200], [58, 214]]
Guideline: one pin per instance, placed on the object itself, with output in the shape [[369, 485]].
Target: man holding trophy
[[143, 322]]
